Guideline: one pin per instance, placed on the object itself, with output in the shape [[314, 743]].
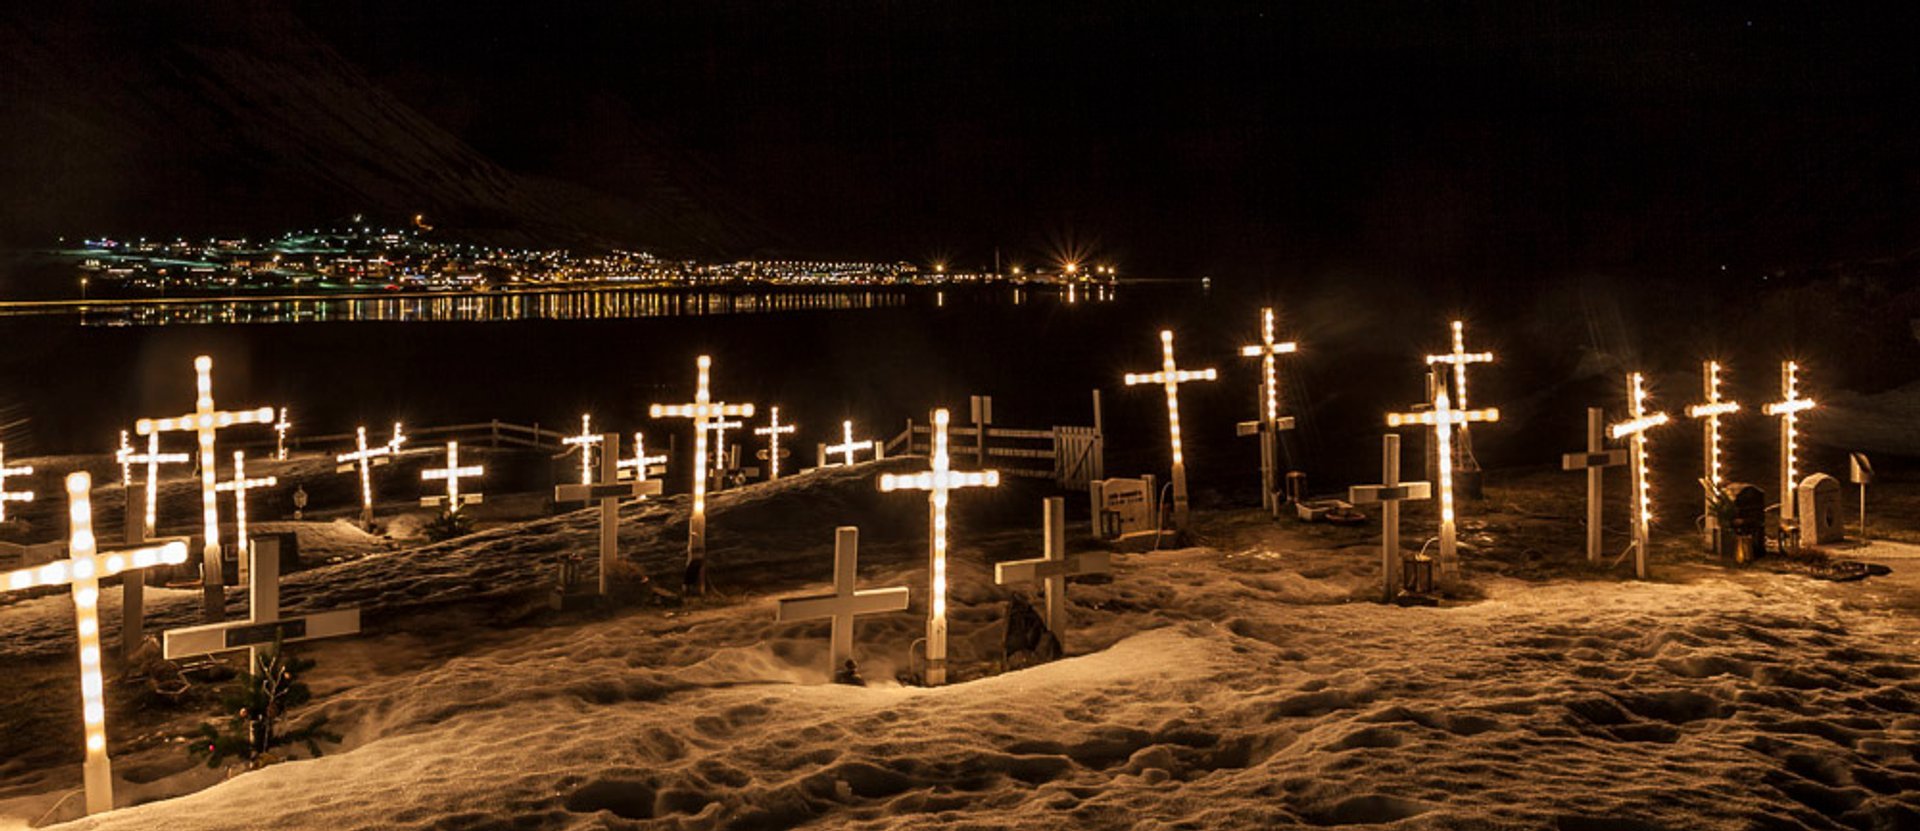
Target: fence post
[[493, 433], [1099, 469]]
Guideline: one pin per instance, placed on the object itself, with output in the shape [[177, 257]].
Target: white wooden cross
[[1054, 566], [1788, 410], [772, 431], [238, 486], [641, 463], [153, 459], [1270, 423], [124, 456], [83, 570], [364, 459], [846, 447], [1443, 418], [205, 421], [585, 439], [845, 603], [6, 472], [280, 427], [1635, 429], [452, 473], [703, 410], [1709, 412], [608, 492], [938, 481], [720, 428], [1171, 377], [1389, 494], [1595, 461], [263, 625]]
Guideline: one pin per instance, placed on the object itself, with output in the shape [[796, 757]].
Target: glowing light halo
[[1635, 430], [1171, 377], [640, 460], [701, 410], [153, 459], [124, 457], [1710, 412], [847, 445], [1459, 358], [1788, 410], [720, 428], [364, 458], [1266, 350], [205, 422], [452, 474], [280, 427], [1442, 418], [85, 567], [938, 481], [772, 431]]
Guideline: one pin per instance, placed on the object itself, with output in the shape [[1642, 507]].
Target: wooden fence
[[495, 433], [1072, 456]]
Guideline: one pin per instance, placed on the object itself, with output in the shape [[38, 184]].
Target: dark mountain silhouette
[[158, 118]]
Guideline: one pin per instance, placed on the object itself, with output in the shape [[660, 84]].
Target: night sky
[[1176, 139]]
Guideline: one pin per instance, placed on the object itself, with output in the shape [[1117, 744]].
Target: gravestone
[[1818, 510], [1749, 515], [1121, 507]]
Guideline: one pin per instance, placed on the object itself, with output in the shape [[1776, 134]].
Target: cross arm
[[1370, 494], [863, 602], [1029, 571]]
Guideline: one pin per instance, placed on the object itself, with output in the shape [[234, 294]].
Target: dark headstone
[[1028, 642]]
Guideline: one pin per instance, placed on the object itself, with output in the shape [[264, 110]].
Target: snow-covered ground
[[1236, 684]]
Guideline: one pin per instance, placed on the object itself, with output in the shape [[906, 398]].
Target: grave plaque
[[1818, 510], [1122, 506]]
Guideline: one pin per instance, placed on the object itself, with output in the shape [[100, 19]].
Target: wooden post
[[1594, 461], [1389, 494], [133, 585]]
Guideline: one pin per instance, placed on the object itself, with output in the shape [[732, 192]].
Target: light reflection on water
[[585, 304]]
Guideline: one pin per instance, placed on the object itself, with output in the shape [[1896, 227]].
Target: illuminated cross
[[83, 570], [1636, 427], [1270, 423], [845, 603], [238, 486], [206, 421], [846, 447], [608, 492], [1595, 461], [1171, 377], [1443, 418], [153, 459], [124, 456], [641, 462], [1054, 566], [263, 625], [399, 438], [1710, 412], [452, 473], [1459, 358], [720, 428], [364, 459], [280, 427], [585, 440], [1788, 409], [703, 411], [7, 495], [938, 481], [772, 431], [1389, 493]]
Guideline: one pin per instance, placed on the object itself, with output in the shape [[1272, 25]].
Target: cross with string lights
[[84, 568], [846, 447], [939, 480], [720, 428], [1788, 410], [1709, 413], [640, 463], [703, 411], [772, 431], [1171, 377], [1635, 429], [1271, 423], [398, 438], [153, 459], [205, 422], [280, 427], [124, 457], [452, 473], [1443, 418], [1459, 359], [585, 439], [6, 473], [363, 459], [238, 486]]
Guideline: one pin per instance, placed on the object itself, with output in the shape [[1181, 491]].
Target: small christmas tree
[[255, 705]]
